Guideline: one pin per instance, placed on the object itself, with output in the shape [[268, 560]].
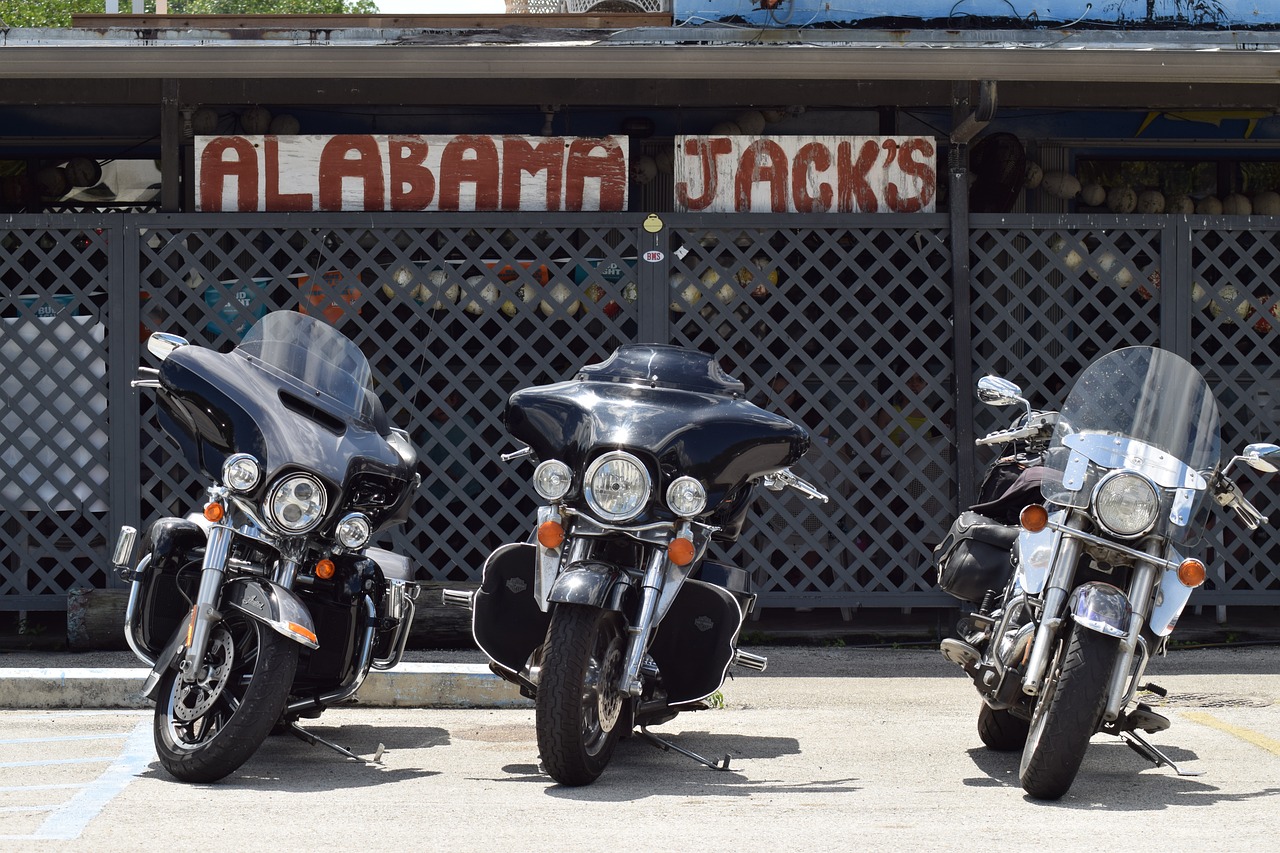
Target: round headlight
[[617, 486], [551, 480], [353, 531], [1126, 504], [241, 472], [296, 503], [686, 497]]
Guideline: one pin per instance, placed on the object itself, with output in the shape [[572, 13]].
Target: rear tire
[[579, 710], [1000, 730], [1068, 713], [206, 730]]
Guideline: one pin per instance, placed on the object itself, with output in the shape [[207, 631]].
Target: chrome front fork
[[204, 615], [639, 633], [1061, 575], [1140, 595]]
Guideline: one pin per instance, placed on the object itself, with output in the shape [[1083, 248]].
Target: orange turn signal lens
[[550, 534], [213, 512], [325, 569], [1191, 572], [680, 552], [302, 631], [191, 626], [1034, 518]]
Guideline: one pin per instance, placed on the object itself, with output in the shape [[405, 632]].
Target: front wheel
[[1068, 713], [208, 728], [579, 708], [1001, 731]]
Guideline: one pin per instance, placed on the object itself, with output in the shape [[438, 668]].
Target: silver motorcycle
[[1073, 600]]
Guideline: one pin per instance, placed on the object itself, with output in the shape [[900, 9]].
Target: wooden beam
[[579, 21]]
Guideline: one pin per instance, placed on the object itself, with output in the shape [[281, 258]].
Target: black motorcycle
[[613, 619], [268, 604]]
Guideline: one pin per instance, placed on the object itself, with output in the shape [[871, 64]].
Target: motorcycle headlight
[[296, 503], [353, 531], [551, 480], [241, 472], [617, 486], [1126, 504], [686, 497]]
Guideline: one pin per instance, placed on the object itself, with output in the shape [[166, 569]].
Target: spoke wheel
[[206, 728], [579, 708], [1068, 713]]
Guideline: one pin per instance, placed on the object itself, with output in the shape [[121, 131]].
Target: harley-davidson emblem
[[517, 586], [704, 623]]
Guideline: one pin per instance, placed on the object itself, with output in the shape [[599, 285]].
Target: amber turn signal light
[[1191, 572], [1033, 518], [325, 569], [213, 512], [550, 534], [680, 551]]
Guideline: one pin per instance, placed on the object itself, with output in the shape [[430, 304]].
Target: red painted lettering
[[855, 194], [275, 199], [600, 159], [922, 171], [811, 157], [366, 166], [215, 169], [706, 150], [412, 184], [469, 159], [519, 156], [763, 160]]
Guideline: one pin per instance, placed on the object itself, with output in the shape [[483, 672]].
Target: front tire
[[206, 730], [1068, 713], [1001, 731], [579, 710]]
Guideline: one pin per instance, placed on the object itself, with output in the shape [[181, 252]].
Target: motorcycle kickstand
[[313, 739], [666, 745], [1144, 748]]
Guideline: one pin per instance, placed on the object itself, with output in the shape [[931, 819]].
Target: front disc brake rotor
[[192, 700]]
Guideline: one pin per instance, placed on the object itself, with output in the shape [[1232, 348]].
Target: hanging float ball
[[1209, 206], [1035, 175], [283, 125], [52, 182], [1151, 201], [83, 172], [204, 122], [1121, 200], [1092, 194], [1236, 204], [1179, 204], [255, 120]]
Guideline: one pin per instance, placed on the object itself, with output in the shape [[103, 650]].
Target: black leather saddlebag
[[973, 558]]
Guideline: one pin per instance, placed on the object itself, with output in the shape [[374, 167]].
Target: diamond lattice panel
[[53, 400], [452, 320], [1236, 343], [823, 325]]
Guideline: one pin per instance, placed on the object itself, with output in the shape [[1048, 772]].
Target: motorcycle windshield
[[1144, 410], [314, 355]]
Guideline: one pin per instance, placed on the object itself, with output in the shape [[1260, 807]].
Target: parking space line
[[69, 820], [1249, 735]]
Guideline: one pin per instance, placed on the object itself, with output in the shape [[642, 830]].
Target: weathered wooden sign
[[410, 173], [805, 174]]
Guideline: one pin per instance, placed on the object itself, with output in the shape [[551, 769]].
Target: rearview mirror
[[997, 391], [161, 344], [1262, 457]]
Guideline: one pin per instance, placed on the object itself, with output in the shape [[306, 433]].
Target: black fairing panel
[[695, 642], [216, 404], [175, 545], [687, 419], [506, 621]]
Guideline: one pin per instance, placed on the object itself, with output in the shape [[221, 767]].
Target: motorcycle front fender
[[274, 606], [1101, 607], [593, 583]]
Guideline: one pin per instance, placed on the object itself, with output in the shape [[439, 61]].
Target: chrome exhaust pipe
[[457, 598], [747, 660]]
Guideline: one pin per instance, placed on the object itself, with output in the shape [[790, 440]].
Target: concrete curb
[[409, 685]]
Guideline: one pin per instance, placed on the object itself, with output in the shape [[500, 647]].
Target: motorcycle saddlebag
[[973, 558]]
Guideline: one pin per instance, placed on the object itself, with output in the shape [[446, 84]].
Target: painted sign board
[[805, 174], [410, 173], [1136, 14]]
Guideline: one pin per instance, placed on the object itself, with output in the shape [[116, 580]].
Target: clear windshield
[[1141, 409], [313, 354]]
